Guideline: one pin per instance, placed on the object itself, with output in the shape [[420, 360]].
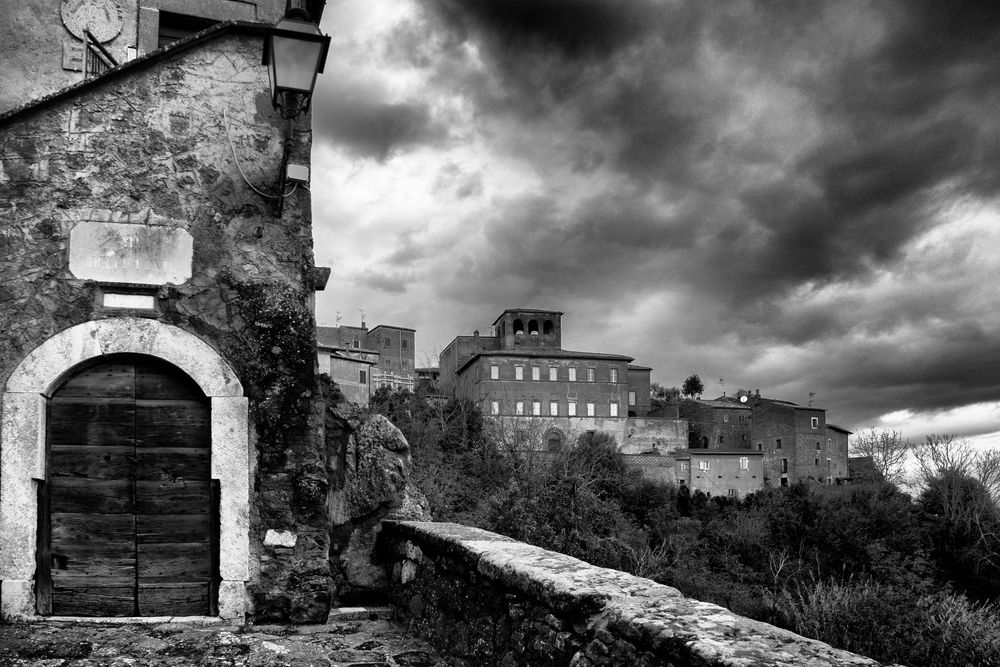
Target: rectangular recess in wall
[[130, 301]]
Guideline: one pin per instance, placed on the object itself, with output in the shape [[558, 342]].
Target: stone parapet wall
[[486, 599]]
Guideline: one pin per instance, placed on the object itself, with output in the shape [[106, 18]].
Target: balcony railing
[[96, 59]]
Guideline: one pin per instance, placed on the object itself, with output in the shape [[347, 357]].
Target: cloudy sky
[[797, 197]]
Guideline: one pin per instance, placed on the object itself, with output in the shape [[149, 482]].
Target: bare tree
[[888, 451]]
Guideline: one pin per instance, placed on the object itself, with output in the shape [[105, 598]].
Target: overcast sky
[[791, 196]]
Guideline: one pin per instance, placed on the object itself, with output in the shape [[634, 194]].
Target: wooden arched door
[[129, 518]]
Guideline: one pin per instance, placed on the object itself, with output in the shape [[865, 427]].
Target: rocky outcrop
[[370, 464], [490, 600]]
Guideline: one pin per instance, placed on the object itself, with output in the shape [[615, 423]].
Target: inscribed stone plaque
[[128, 253]]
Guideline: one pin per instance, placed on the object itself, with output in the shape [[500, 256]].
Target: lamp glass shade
[[296, 52]]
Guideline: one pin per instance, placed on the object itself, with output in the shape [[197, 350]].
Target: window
[[494, 372], [590, 375], [631, 398], [519, 408], [363, 377], [356, 343], [817, 463], [760, 446], [572, 409], [536, 408], [722, 439], [518, 328], [744, 463], [725, 416], [520, 436], [536, 373], [494, 407], [533, 327], [518, 372], [386, 342], [777, 443], [614, 408], [784, 465], [684, 466], [613, 375], [784, 481], [547, 327], [590, 409], [404, 343], [554, 408], [814, 422], [732, 493], [819, 446], [704, 465], [572, 373], [553, 373]]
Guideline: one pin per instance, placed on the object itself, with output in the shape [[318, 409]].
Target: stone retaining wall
[[489, 600]]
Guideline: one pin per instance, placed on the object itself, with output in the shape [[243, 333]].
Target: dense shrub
[[891, 624]]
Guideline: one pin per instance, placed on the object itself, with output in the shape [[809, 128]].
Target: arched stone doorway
[[129, 518], [23, 462]]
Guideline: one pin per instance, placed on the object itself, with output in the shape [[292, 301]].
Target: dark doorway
[[129, 515]]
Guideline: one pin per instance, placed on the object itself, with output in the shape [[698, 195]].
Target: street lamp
[[294, 52]]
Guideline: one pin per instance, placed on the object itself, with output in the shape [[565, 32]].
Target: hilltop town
[[520, 376]]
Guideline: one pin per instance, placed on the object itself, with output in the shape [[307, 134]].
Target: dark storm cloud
[[376, 129], [900, 121], [576, 28]]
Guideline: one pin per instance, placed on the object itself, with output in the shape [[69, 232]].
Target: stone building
[[732, 473], [718, 424], [42, 41], [521, 376], [389, 349], [162, 444], [796, 443]]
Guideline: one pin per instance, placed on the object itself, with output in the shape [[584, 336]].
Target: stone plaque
[[72, 55], [115, 252]]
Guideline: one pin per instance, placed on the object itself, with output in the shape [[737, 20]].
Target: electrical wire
[[236, 159]]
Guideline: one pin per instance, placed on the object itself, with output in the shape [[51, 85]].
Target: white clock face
[[103, 18]]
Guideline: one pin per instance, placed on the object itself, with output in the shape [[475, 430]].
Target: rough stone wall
[[368, 463], [489, 600], [149, 146]]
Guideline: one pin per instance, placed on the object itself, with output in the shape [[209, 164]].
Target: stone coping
[[636, 609]]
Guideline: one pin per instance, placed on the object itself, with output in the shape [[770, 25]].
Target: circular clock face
[[103, 18]]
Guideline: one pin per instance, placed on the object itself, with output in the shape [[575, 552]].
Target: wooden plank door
[[129, 507]]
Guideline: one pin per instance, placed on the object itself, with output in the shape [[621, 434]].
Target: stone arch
[[533, 327], [22, 446], [518, 327]]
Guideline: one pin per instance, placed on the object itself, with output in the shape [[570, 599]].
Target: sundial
[[103, 18]]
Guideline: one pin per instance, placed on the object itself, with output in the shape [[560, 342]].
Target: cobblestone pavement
[[362, 638]]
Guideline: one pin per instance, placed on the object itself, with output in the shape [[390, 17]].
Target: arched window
[[518, 328], [554, 440], [548, 327], [533, 327]]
